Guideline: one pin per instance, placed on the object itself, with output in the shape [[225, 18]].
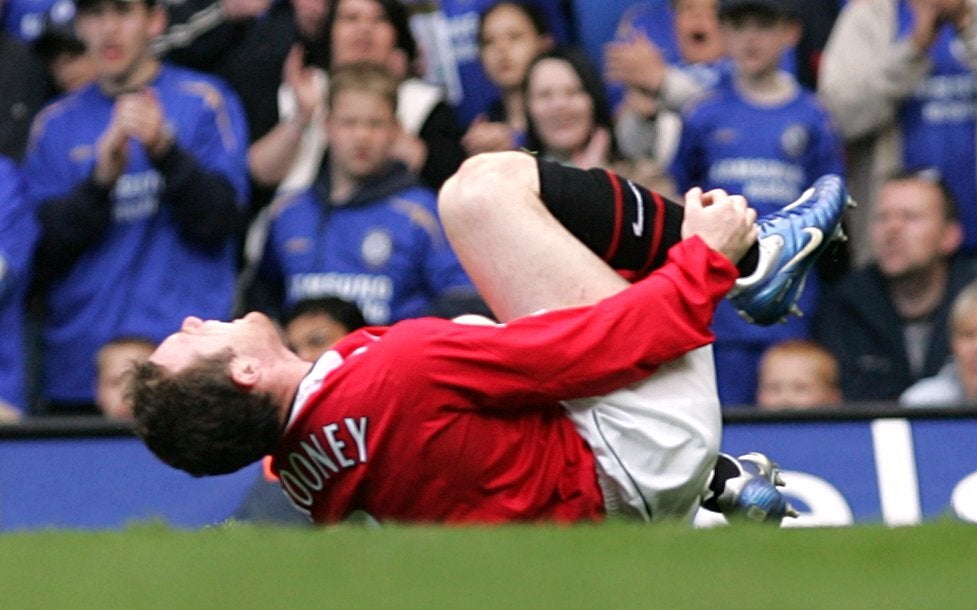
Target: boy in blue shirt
[[137, 181], [763, 135], [366, 231]]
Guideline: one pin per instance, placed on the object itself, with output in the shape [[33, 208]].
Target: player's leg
[[502, 210], [516, 252], [628, 226], [632, 228], [655, 441], [539, 235]]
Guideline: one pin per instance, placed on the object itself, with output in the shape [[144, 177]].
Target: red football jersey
[[435, 421]]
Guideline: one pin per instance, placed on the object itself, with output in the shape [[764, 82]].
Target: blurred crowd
[[167, 158]]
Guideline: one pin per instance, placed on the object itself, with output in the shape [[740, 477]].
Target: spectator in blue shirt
[[137, 180], [763, 135]]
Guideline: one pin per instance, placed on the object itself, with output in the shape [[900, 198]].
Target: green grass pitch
[[614, 565]]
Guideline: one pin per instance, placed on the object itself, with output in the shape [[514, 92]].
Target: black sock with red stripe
[[628, 226]]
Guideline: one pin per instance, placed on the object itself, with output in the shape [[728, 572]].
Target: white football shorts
[[655, 441]]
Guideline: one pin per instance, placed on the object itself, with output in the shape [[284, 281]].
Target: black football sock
[[748, 263], [628, 226], [724, 470]]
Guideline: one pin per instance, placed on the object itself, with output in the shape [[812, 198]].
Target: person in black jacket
[[886, 323]]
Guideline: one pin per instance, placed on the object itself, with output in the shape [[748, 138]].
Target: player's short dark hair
[[199, 420]]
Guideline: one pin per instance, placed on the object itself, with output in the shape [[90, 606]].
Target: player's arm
[[576, 352]]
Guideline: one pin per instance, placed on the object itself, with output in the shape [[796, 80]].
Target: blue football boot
[[748, 490], [791, 240]]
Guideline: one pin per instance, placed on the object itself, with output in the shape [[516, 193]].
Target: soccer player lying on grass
[[433, 420]]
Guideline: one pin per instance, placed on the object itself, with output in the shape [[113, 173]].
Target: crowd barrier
[[861, 464]]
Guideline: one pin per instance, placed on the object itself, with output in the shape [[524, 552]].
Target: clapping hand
[[487, 136], [140, 116], [636, 62]]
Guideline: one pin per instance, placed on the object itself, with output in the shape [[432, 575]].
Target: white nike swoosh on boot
[[804, 197], [817, 236]]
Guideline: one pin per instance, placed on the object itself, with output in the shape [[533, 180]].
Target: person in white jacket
[[897, 77], [374, 31]]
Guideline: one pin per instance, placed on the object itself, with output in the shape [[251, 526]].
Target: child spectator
[[763, 135], [662, 69], [314, 325], [797, 374], [367, 231], [113, 364]]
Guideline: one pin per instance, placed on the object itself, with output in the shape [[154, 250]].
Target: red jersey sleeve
[[576, 352]]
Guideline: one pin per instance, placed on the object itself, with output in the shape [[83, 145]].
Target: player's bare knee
[[484, 184]]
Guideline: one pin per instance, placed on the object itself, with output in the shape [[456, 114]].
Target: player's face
[[560, 107], [756, 43], [908, 228], [697, 31], [362, 130], [790, 382], [361, 32], [963, 342], [117, 37], [311, 335], [509, 42], [254, 333]]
